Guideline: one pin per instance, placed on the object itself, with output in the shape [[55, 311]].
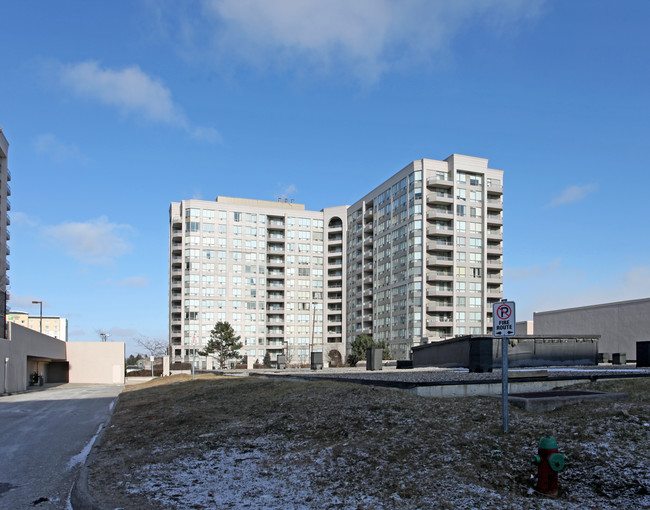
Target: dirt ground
[[253, 442]]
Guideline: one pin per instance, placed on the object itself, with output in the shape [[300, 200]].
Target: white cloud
[[536, 271], [93, 242], [133, 92], [130, 281], [286, 192], [19, 218], [571, 195], [368, 37], [552, 287], [24, 304], [51, 146]]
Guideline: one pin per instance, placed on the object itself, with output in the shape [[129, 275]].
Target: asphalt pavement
[[45, 436]]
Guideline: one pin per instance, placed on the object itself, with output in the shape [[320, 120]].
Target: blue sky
[[115, 109]]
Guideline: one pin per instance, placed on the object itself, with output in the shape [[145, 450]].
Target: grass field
[[265, 443]]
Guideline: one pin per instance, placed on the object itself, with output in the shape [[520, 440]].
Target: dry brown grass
[[355, 446]]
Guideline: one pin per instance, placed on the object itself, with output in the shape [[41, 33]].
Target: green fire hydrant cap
[[548, 443], [556, 461]]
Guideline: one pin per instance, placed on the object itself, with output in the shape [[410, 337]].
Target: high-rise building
[[425, 254], [418, 259], [273, 270], [5, 206]]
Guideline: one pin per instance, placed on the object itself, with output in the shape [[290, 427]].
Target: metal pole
[[40, 303], [194, 350], [504, 382], [6, 364]]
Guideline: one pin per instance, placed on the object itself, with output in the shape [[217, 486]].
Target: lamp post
[[40, 303]]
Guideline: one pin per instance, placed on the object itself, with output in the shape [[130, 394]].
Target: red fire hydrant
[[549, 463]]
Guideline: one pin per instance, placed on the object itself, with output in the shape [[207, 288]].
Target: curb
[[80, 497]]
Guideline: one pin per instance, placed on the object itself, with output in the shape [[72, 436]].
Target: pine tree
[[223, 342]]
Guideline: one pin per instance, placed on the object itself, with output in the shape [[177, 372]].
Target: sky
[[115, 109]]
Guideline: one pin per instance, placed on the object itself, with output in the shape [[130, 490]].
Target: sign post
[[503, 325]]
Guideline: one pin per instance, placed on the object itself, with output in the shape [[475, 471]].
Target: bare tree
[[155, 346]]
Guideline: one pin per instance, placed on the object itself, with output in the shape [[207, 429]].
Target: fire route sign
[[503, 319]]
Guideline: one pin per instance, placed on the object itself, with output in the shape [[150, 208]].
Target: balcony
[[494, 248], [494, 203], [440, 276], [440, 260], [433, 306], [440, 198], [275, 247], [493, 263], [494, 219], [177, 220], [275, 261], [494, 233], [276, 222], [439, 181], [439, 213], [440, 230], [438, 322], [439, 291]]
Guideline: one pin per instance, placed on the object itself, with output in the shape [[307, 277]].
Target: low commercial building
[[28, 357], [620, 325]]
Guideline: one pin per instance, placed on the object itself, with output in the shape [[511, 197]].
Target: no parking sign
[[503, 318]]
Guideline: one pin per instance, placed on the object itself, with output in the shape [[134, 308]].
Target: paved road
[[44, 438]]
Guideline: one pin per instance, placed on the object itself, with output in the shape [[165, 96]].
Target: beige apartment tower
[[274, 270], [425, 254], [416, 260]]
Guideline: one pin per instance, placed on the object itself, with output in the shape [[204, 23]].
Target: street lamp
[[41, 305], [104, 336]]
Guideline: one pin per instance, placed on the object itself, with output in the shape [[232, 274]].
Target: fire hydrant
[[549, 463]]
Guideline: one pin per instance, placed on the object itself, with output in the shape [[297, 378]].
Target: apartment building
[[425, 254], [418, 259], [51, 325], [5, 207], [274, 270]]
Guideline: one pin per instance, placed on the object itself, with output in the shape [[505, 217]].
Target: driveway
[[45, 437]]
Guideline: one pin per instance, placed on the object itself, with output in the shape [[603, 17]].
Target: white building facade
[[273, 270], [425, 254], [418, 259]]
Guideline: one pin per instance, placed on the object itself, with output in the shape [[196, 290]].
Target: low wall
[[96, 362], [483, 353]]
